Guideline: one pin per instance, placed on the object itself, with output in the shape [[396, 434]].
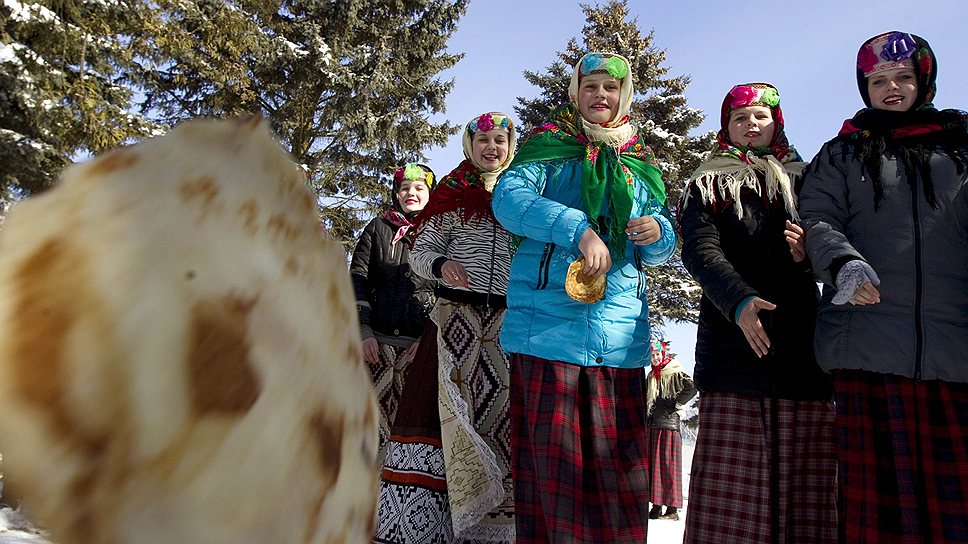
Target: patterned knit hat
[[894, 50], [413, 171], [754, 94]]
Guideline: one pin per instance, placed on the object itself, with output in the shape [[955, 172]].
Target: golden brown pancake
[[581, 287]]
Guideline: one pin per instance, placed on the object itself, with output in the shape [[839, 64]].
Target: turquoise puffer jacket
[[542, 202]]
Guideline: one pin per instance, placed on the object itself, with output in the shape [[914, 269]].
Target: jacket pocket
[[543, 266]]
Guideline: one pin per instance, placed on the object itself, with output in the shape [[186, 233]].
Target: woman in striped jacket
[[461, 245]]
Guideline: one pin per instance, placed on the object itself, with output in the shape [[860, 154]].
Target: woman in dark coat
[[764, 467], [883, 209], [394, 303], [667, 389]]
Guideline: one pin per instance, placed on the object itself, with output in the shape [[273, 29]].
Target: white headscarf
[[492, 120], [618, 130]]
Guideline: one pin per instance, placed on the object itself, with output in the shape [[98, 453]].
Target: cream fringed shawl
[[668, 385], [722, 177]]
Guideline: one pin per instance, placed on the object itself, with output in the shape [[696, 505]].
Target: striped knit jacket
[[481, 245]]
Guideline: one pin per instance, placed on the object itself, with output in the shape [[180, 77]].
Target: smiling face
[[413, 195], [598, 97], [893, 90], [490, 148], [751, 126]]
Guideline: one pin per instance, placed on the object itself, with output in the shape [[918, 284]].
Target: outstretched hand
[[598, 260], [749, 322]]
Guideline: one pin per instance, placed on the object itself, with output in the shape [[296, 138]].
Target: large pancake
[[581, 287]]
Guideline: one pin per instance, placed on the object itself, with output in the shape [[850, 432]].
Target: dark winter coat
[[399, 301], [665, 411], [920, 327], [732, 259]]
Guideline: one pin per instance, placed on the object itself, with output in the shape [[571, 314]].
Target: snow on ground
[[14, 529], [663, 531]]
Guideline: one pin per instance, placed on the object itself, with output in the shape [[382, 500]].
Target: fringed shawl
[[722, 177], [668, 385]]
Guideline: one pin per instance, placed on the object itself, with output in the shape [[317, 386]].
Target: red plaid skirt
[[666, 474], [903, 458], [763, 471], [579, 446]]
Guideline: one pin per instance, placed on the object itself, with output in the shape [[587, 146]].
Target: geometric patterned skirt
[[903, 458], [389, 376], [446, 476], [413, 489], [474, 381], [580, 441], [764, 470], [665, 453]]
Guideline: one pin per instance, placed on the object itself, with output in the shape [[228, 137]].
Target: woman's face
[[893, 90], [490, 148], [751, 126], [598, 97], [413, 195]]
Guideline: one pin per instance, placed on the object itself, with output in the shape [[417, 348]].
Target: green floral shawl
[[604, 169]]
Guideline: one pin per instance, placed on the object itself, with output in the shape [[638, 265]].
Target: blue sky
[[806, 49]]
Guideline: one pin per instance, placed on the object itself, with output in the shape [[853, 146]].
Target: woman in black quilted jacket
[[764, 467], [394, 303]]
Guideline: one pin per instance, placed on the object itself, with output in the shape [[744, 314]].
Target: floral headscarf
[[756, 94], [487, 122], [467, 189], [893, 50], [617, 130], [394, 214], [729, 169], [914, 135]]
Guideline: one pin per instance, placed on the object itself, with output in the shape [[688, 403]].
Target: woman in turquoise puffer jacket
[[579, 438]]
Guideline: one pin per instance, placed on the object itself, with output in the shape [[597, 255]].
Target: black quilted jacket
[[399, 300], [732, 259]]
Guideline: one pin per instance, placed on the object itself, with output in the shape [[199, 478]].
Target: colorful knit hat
[[413, 171], [754, 94], [614, 65], [894, 50]]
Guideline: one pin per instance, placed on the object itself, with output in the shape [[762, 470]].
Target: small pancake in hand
[[584, 288]]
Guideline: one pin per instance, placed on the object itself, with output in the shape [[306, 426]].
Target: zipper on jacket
[[918, 279], [490, 277], [544, 265], [640, 272]]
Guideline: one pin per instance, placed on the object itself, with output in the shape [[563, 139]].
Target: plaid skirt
[[580, 452], [764, 471], [903, 458], [666, 454]]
